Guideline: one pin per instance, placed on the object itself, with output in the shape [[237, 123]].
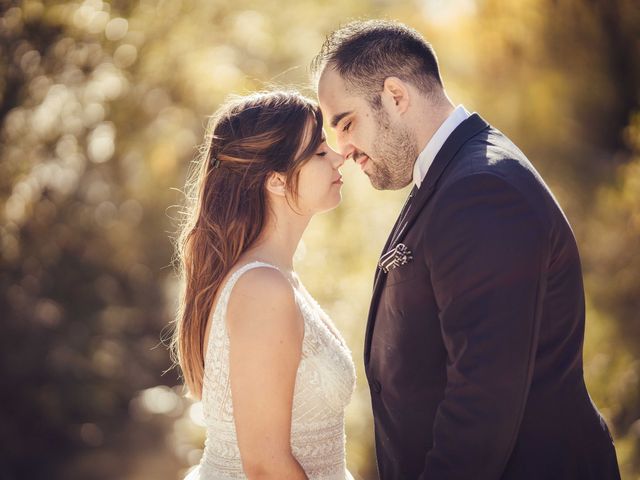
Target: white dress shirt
[[426, 157]]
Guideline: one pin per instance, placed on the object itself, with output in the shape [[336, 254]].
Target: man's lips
[[362, 160]]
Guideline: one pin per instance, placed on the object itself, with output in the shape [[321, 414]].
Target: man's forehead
[[334, 99], [331, 86]]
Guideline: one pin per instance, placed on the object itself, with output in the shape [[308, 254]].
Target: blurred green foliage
[[102, 105]]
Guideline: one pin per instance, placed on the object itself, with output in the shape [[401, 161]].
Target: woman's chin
[[336, 203]]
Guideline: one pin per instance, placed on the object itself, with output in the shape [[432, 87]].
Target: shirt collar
[[426, 157]]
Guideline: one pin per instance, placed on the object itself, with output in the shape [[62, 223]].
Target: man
[[473, 348]]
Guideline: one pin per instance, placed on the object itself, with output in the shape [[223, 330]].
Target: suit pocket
[[401, 274]]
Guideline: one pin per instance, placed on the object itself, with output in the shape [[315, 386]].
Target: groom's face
[[384, 150]]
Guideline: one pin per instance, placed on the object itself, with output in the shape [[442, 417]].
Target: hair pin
[[215, 162]]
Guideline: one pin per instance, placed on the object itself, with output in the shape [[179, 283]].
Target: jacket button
[[375, 386]]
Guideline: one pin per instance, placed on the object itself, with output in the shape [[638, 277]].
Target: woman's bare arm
[[265, 333]]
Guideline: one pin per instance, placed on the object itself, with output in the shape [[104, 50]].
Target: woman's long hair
[[247, 139]]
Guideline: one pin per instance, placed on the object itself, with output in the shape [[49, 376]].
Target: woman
[[273, 373]]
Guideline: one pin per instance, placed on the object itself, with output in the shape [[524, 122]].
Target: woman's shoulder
[[262, 295], [262, 281]]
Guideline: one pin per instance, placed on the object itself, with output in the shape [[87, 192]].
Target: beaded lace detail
[[324, 384]]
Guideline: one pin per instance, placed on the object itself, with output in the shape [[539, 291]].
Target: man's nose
[[346, 149]]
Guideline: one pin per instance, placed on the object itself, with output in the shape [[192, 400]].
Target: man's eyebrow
[[336, 118]]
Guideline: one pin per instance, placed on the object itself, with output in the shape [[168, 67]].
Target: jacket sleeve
[[486, 248]]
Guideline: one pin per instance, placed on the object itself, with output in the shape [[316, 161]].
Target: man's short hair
[[365, 53]]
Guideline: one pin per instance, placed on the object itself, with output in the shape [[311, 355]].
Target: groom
[[473, 348]]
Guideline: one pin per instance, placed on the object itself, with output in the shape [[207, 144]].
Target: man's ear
[[276, 184], [396, 95]]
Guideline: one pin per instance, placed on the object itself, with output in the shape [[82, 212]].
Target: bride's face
[[320, 181]]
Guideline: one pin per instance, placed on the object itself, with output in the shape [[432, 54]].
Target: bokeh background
[[102, 106]]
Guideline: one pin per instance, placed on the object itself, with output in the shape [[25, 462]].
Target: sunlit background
[[102, 105]]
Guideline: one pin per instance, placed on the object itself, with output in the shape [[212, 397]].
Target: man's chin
[[378, 186], [383, 184]]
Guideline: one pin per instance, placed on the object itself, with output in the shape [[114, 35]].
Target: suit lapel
[[396, 225], [465, 131]]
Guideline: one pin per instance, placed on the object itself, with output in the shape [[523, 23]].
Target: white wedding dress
[[324, 384]]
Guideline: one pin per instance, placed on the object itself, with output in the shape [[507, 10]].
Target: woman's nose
[[337, 159]]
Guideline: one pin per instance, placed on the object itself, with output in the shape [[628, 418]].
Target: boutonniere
[[397, 256]]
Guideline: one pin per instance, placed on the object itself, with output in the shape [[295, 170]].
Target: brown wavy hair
[[247, 139]]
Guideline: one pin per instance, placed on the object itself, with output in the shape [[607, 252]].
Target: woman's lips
[[338, 181]]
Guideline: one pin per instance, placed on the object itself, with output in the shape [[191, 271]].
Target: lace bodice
[[324, 384]]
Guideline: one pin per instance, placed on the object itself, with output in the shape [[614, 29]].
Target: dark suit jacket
[[473, 349]]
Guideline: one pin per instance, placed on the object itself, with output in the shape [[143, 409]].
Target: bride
[[273, 373]]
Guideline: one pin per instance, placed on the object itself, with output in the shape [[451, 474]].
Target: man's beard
[[395, 153]]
